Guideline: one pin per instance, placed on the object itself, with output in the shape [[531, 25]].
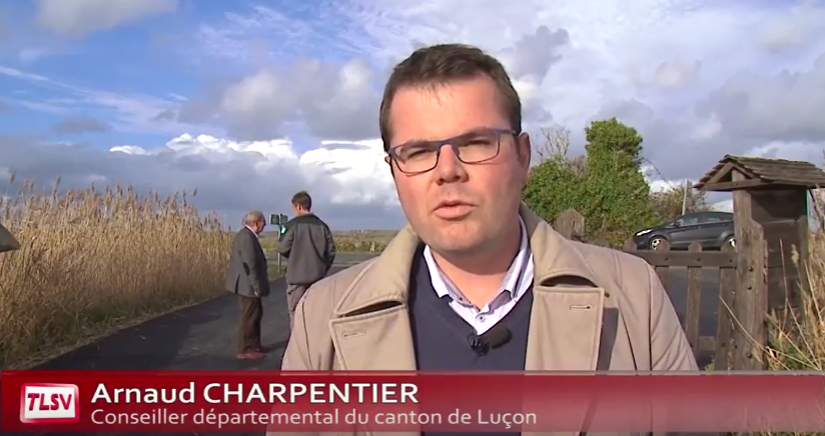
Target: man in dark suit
[[247, 277]]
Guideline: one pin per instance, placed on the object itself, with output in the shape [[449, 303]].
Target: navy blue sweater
[[441, 337]]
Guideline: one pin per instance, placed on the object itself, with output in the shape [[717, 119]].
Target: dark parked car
[[711, 229]]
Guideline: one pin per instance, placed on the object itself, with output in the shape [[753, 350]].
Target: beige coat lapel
[[565, 324], [378, 340], [371, 326], [566, 318]]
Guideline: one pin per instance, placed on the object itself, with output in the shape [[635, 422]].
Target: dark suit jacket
[[310, 248], [247, 272]]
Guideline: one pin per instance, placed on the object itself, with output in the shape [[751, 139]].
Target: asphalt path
[[200, 337], [203, 337]]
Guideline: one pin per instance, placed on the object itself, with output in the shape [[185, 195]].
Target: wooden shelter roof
[[761, 172]]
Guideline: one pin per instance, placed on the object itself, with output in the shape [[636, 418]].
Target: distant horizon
[[268, 232]]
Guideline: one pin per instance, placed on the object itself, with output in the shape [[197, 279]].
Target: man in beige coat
[[451, 125]]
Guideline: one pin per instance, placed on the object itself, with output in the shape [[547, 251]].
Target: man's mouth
[[453, 209]]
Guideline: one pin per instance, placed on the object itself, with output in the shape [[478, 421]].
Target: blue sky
[[278, 90], [158, 56]]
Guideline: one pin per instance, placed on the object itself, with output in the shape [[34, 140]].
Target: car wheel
[[730, 240], [656, 242]]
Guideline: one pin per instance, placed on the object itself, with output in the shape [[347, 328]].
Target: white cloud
[[349, 181], [792, 150], [677, 74], [798, 26], [698, 79], [347, 172], [331, 99], [569, 60], [79, 17], [723, 206]]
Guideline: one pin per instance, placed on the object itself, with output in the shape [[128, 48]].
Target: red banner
[[105, 402]]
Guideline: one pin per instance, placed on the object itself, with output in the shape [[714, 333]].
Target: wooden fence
[[742, 300]]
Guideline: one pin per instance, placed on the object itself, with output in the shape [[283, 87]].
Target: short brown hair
[[443, 63], [302, 199]]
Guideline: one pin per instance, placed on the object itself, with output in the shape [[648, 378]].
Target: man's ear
[[388, 160], [525, 150]]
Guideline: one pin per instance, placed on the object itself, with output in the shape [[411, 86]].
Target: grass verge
[[94, 260], [350, 241]]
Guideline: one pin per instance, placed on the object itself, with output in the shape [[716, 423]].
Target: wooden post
[[724, 322], [751, 308], [694, 292], [662, 271], [570, 224]]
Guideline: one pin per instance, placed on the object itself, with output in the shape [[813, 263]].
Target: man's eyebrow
[[475, 131]]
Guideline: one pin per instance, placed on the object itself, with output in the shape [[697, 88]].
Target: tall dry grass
[[797, 343], [92, 260]]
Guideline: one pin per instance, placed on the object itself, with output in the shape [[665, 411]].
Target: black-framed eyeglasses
[[473, 147]]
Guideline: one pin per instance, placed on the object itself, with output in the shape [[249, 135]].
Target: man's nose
[[449, 168]]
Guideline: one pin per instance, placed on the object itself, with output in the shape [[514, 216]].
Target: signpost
[[279, 220]]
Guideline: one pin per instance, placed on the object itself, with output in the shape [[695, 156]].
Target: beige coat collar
[[388, 278], [371, 329]]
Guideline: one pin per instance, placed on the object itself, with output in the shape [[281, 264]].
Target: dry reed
[[92, 260], [797, 341]]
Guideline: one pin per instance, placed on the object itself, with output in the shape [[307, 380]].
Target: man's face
[[481, 199], [260, 226]]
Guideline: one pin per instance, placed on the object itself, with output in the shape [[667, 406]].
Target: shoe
[[252, 355], [262, 350]]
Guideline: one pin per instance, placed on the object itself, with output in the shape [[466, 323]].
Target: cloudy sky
[[250, 101]]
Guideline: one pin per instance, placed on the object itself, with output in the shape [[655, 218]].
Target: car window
[[688, 220], [716, 217], [711, 218]]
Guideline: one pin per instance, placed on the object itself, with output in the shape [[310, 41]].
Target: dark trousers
[[249, 325], [294, 293]]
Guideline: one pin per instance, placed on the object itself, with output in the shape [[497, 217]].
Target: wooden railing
[[741, 300]]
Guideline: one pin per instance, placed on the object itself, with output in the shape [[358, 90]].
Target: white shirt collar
[[517, 280]]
